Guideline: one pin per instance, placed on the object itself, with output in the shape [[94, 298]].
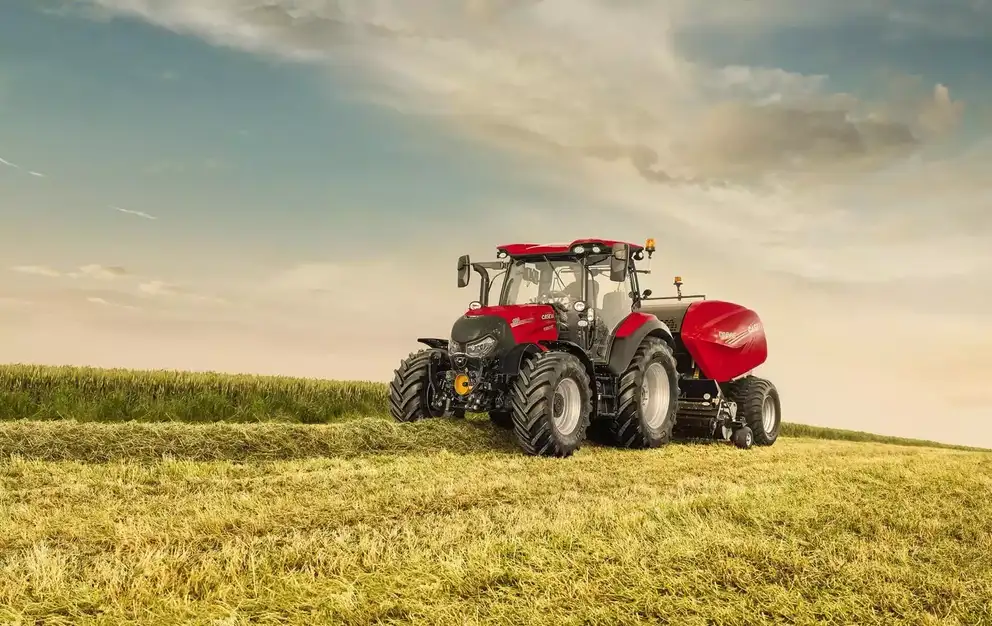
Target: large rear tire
[[758, 406], [410, 392], [552, 404], [648, 398]]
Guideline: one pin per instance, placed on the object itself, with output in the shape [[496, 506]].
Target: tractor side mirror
[[619, 262], [464, 270]]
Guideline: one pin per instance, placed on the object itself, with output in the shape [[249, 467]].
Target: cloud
[[578, 79], [941, 115], [158, 288], [731, 164], [98, 300], [93, 270], [100, 272], [18, 167], [148, 288], [132, 212], [37, 270], [911, 18], [162, 289]]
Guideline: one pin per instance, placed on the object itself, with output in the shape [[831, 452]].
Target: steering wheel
[[555, 299]]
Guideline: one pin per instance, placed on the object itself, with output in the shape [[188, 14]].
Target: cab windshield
[[547, 281], [533, 282]]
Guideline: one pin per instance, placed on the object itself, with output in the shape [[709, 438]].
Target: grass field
[[99, 395], [365, 521], [32, 392]]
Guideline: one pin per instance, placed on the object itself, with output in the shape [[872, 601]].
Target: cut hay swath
[[237, 416]]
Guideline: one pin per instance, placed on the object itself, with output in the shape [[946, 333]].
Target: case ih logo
[[519, 322], [733, 338]]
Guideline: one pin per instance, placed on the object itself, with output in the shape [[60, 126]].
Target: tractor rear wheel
[[758, 406], [552, 404], [411, 392], [648, 399]]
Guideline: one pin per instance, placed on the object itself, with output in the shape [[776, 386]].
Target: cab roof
[[539, 249]]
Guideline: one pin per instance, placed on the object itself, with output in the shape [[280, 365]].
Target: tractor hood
[[508, 325]]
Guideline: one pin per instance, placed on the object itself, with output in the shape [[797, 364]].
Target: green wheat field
[[179, 498]]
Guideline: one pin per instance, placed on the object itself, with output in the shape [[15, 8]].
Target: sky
[[283, 186]]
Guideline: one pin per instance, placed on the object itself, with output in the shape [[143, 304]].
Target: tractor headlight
[[454, 347], [480, 347], [579, 306]]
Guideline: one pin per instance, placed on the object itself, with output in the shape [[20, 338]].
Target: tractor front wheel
[[648, 402], [552, 404], [411, 393]]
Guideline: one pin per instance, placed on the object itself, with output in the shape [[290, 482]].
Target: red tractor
[[574, 345]]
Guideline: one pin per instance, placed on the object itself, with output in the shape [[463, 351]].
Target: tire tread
[[406, 391], [626, 429], [749, 393], [529, 399]]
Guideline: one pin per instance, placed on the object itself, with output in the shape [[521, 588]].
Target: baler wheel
[[758, 406], [743, 438]]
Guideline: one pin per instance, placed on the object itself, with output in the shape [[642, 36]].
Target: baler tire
[[750, 394], [408, 392], [629, 429], [533, 401]]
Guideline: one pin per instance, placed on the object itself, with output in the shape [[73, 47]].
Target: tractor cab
[[589, 285]]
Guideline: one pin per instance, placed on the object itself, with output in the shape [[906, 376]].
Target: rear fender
[[629, 335], [577, 351], [441, 344]]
